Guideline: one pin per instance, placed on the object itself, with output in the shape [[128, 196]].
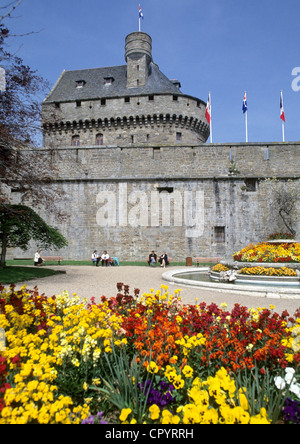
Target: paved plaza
[[89, 281]]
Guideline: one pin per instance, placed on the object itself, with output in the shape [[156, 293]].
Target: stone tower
[[138, 56], [133, 104]]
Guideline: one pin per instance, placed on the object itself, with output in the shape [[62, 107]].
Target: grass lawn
[[9, 275]]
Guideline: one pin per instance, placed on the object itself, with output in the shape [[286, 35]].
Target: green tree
[[19, 224]]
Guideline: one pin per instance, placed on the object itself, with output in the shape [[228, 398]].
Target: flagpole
[[282, 115], [246, 120], [211, 138]]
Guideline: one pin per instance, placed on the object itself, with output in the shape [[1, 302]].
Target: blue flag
[[141, 15], [245, 106]]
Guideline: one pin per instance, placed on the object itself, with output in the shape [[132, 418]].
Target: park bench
[[59, 259], [170, 259], [201, 260]]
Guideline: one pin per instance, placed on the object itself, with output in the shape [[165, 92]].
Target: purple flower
[[89, 420], [95, 419], [161, 396], [100, 418], [292, 411]]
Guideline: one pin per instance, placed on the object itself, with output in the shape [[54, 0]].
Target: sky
[[217, 46]]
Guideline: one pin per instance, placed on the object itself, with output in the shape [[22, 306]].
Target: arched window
[[99, 139], [75, 141]]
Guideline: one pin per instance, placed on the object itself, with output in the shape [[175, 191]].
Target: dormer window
[[80, 83], [108, 80]]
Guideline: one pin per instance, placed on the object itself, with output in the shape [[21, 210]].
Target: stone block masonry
[[185, 200]]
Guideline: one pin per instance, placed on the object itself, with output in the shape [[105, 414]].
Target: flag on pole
[[245, 111], [141, 15], [208, 115], [245, 105], [208, 110], [282, 115]]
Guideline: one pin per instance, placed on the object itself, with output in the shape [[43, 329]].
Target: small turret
[[138, 55]]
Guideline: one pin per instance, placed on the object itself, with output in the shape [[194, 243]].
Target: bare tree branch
[[15, 5]]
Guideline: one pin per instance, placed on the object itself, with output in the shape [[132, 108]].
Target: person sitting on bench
[[105, 258], [152, 258], [38, 260], [163, 260]]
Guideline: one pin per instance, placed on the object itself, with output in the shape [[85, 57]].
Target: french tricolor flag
[[141, 15], [208, 110], [282, 115]]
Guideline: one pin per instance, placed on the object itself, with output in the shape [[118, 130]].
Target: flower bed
[[145, 359], [267, 252], [280, 236], [270, 271]]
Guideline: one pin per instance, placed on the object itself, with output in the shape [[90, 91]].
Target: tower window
[[178, 137], [175, 98], [78, 103], [80, 83], [103, 102], [151, 98], [251, 185], [75, 141], [99, 139], [220, 235], [108, 80], [127, 100]]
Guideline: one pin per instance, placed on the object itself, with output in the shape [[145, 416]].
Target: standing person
[[38, 260], [164, 260], [152, 258], [105, 258]]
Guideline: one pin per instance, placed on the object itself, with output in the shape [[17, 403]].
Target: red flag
[[208, 110], [282, 115]]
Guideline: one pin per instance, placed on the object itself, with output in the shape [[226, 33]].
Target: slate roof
[[94, 87]]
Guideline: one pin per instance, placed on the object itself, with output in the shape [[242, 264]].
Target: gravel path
[[89, 281]]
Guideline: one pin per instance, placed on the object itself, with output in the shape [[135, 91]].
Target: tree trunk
[[3, 250], [287, 224]]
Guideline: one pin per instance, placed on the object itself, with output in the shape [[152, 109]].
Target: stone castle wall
[[127, 120], [197, 200]]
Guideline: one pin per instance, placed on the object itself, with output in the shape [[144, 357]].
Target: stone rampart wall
[[189, 201]]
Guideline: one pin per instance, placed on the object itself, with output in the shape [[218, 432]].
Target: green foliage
[[19, 224], [261, 392], [9, 275], [120, 377]]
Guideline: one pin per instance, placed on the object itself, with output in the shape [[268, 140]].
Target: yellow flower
[[188, 371], [154, 412], [152, 368], [124, 414], [243, 400]]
